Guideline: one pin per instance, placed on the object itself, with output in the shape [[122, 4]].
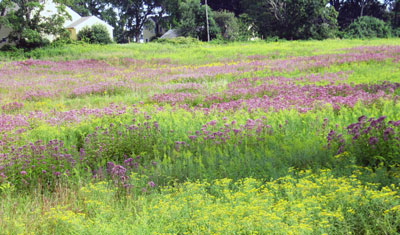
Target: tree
[[396, 17], [4, 5], [293, 19], [132, 16], [30, 27], [394, 12], [226, 5], [350, 10], [160, 18], [337, 4], [193, 22], [228, 24]]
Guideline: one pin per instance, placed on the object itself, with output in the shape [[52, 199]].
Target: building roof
[[172, 33], [78, 22]]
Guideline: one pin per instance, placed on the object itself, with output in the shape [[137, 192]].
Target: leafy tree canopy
[[367, 27], [193, 22], [300, 19], [29, 26]]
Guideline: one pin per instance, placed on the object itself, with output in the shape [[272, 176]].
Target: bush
[[367, 27], [97, 34], [32, 39], [396, 32], [9, 48]]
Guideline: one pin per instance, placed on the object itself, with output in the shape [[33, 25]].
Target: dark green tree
[[193, 20], [228, 25], [132, 16], [394, 12], [4, 6], [293, 19], [225, 5], [350, 10], [29, 26]]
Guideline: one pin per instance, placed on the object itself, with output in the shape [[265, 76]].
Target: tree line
[[244, 19], [228, 19]]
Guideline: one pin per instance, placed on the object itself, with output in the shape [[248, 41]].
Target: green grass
[[199, 53]]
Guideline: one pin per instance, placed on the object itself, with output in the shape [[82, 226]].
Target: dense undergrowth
[[289, 137]]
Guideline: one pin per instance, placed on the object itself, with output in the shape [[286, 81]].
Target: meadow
[[290, 137]]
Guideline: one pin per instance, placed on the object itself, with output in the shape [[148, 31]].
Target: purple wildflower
[[151, 184]]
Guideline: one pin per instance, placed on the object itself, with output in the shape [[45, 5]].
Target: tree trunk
[[363, 4], [2, 13], [396, 14]]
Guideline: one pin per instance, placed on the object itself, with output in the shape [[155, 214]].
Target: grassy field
[[295, 137]]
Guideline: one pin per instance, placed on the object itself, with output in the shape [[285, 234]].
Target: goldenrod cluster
[[307, 203]]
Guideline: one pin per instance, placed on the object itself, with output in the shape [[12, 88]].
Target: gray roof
[[78, 22], [172, 33]]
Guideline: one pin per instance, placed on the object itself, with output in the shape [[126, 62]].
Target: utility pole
[[208, 27]]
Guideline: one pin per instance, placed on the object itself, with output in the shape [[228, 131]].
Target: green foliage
[[247, 28], [4, 6], [32, 39], [304, 203], [351, 10], [395, 14], [193, 22], [306, 19], [132, 15], [372, 142], [30, 28], [396, 32], [228, 25], [10, 48], [367, 27], [97, 34]]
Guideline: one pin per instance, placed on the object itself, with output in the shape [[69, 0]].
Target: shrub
[[396, 32], [97, 34], [85, 34], [367, 27], [32, 39], [9, 48]]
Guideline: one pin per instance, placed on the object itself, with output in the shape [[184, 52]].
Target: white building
[[73, 25], [149, 30]]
